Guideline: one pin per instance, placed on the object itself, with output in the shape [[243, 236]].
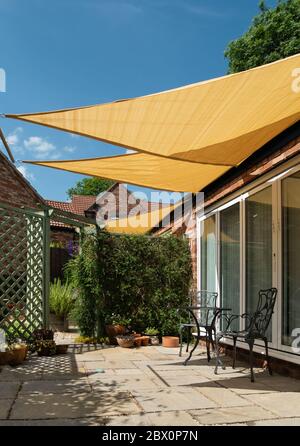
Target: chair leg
[[234, 352], [192, 351], [251, 343], [217, 354], [267, 357], [188, 339], [207, 340], [180, 337]]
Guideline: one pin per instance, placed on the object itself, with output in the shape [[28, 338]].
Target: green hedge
[[137, 278]]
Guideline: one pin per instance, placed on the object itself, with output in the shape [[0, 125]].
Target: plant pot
[[145, 340], [17, 356], [154, 340], [113, 331], [170, 341], [125, 341], [138, 341], [62, 349], [5, 357]]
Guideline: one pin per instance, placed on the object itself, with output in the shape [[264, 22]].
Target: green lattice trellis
[[23, 271]]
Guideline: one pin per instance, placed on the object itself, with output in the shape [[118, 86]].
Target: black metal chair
[[256, 326], [203, 316]]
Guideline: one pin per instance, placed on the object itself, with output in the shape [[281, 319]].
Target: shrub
[[61, 300], [139, 279]]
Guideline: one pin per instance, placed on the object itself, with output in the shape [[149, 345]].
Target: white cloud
[[128, 151], [25, 172], [14, 141], [40, 147], [13, 138], [69, 149]]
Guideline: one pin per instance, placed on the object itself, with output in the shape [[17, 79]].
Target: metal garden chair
[[256, 326], [202, 316]]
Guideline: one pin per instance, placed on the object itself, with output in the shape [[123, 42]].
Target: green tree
[[274, 34], [90, 186]]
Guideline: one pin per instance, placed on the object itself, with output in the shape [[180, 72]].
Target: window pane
[[291, 256], [258, 246], [230, 258], [208, 255]]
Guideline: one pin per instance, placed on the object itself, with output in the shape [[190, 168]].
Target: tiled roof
[[78, 205], [81, 203]]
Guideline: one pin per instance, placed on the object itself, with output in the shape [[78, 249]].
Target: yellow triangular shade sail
[[144, 170], [139, 224], [220, 121]]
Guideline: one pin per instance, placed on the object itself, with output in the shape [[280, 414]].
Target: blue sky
[[69, 53]]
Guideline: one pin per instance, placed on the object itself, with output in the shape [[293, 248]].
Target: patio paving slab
[[280, 383], [171, 400], [123, 382], [181, 377], [231, 415], [276, 422], [73, 406], [56, 386], [174, 418], [56, 422], [243, 386], [9, 389], [221, 396], [282, 405], [5, 405]]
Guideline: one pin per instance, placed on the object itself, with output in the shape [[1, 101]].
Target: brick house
[[249, 239], [122, 202], [15, 189]]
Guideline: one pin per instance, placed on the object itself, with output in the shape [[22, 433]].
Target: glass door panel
[[290, 257], [258, 246], [230, 259], [208, 254]]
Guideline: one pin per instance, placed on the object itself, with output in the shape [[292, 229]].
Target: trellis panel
[[23, 271]]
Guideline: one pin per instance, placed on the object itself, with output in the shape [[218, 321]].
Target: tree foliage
[[142, 279], [90, 186], [273, 35]]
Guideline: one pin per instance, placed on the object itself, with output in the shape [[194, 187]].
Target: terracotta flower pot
[[113, 331], [125, 341], [5, 357], [170, 341], [61, 349], [138, 341], [145, 340], [17, 356], [154, 340]]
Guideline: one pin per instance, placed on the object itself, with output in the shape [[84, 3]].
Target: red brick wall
[[14, 189]]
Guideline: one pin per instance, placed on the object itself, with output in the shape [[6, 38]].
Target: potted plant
[[17, 353], [61, 302], [153, 335], [45, 348], [43, 334], [126, 341], [116, 326], [170, 341]]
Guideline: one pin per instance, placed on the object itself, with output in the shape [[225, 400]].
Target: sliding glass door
[[230, 258], [258, 245], [208, 254], [290, 307]]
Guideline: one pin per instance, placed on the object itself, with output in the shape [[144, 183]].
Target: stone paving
[[147, 386]]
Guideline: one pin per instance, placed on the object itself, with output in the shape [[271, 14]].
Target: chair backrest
[[260, 320], [208, 301]]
